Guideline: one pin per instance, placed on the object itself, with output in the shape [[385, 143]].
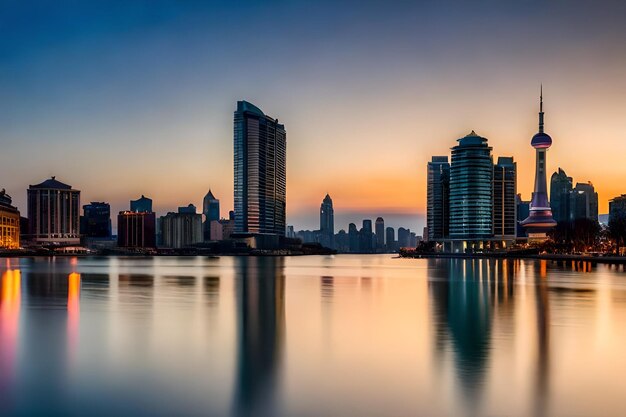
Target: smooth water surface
[[311, 336]]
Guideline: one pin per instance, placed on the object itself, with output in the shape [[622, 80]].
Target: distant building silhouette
[[260, 172], [504, 200], [327, 222], [560, 189], [583, 202], [9, 223], [404, 237], [366, 237], [96, 220], [353, 237], [141, 204], [380, 234], [181, 229], [471, 193], [390, 239], [523, 210], [211, 211], [540, 220], [438, 195], [54, 213]]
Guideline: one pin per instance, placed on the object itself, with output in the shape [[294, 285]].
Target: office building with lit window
[[53, 213], [9, 223]]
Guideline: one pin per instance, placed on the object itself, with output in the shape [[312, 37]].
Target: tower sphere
[[541, 141]]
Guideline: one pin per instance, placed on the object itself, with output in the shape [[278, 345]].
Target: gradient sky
[[123, 98]]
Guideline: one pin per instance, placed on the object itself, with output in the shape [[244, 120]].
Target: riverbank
[[609, 259]]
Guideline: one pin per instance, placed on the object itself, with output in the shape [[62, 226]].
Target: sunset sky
[[123, 98]]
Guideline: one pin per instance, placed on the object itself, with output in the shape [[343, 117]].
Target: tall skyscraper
[[523, 210], [438, 195], [211, 211], [583, 202], [96, 220], [366, 237], [540, 221], [9, 223], [54, 213], [504, 199], [471, 190], [560, 189], [404, 237], [380, 233], [260, 144], [327, 223]]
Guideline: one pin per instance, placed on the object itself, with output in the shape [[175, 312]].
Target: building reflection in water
[[260, 292], [73, 314], [464, 306], [10, 300]]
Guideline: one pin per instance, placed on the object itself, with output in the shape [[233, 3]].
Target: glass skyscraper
[[471, 189], [260, 144], [211, 211], [504, 198], [438, 193]]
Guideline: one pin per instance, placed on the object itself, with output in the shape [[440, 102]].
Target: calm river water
[[311, 336]]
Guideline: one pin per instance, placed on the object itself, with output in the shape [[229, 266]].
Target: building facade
[[560, 189], [211, 212], [136, 229], [9, 223], [583, 202], [260, 146], [182, 229], [438, 195], [379, 228], [96, 220], [327, 223], [53, 213], [390, 239], [504, 200], [471, 190], [141, 204]]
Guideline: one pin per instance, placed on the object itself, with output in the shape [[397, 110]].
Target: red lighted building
[[136, 229]]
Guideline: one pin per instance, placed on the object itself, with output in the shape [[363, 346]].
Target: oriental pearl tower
[[540, 221]]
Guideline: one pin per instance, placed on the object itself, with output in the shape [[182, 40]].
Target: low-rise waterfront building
[[9, 223]]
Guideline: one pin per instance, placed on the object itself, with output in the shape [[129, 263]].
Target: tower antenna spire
[[541, 108]]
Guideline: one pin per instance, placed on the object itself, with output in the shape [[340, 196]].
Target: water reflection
[[260, 292], [10, 301]]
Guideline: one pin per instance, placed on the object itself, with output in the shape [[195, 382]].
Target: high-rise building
[[523, 210], [583, 202], [181, 229], [471, 192], [136, 229], [327, 222], [617, 209], [96, 220], [353, 238], [539, 222], [54, 213], [560, 189], [366, 237], [211, 211], [380, 233], [438, 194], [404, 237], [260, 144], [141, 204], [390, 239], [504, 199], [9, 223]]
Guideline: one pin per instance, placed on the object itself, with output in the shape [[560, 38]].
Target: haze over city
[[125, 100]]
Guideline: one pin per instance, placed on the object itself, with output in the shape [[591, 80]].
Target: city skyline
[[133, 102]]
